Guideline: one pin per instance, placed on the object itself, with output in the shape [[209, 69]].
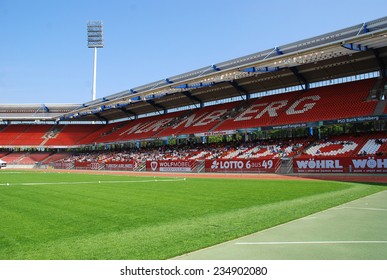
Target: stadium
[[247, 146]]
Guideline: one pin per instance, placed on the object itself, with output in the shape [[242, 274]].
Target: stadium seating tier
[[317, 104]]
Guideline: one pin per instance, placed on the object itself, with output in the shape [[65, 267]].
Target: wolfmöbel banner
[[171, 165], [363, 164], [242, 165]]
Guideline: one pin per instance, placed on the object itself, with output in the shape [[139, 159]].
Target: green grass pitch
[[111, 217]]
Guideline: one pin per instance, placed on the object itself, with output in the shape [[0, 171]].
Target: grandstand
[[291, 108]]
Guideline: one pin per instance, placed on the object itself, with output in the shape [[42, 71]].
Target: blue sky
[[44, 56]]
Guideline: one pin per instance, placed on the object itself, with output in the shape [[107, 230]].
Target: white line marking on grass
[[15, 172], [92, 182], [313, 242], [362, 208]]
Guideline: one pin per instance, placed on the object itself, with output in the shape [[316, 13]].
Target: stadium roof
[[351, 51], [32, 112]]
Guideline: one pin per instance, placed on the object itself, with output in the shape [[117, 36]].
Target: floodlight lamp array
[[95, 34]]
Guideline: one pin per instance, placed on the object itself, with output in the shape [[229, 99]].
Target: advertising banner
[[87, 165], [121, 165], [62, 165], [171, 165], [369, 164], [374, 164], [215, 133], [116, 165], [242, 165]]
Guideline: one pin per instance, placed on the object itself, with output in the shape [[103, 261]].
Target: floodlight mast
[[94, 40]]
